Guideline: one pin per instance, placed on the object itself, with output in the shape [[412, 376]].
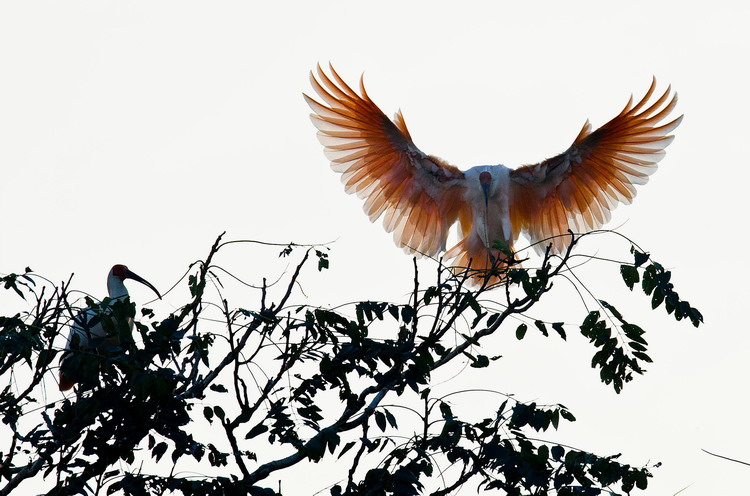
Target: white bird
[[422, 196], [87, 332]]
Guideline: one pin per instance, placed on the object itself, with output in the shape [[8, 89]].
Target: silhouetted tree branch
[[289, 384]]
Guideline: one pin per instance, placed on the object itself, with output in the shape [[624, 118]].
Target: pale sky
[[137, 132]]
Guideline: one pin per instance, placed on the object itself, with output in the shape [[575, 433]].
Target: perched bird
[[421, 196], [87, 331]]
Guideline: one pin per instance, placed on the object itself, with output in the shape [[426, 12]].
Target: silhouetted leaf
[[481, 361], [380, 420], [346, 448], [257, 430], [642, 356], [542, 327], [640, 258], [521, 331], [558, 326], [323, 262], [219, 412], [159, 450], [629, 275]]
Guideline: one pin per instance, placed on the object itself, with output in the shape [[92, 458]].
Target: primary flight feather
[[421, 196]]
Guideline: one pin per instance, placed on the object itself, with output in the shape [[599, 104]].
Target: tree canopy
[[221, 398]]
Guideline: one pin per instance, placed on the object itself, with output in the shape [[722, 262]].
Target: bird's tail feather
[[67, 372], [482, 263], [66, 382]]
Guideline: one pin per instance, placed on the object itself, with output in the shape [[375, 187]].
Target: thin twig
[[726, 457]]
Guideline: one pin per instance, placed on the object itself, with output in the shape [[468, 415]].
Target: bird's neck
[[116, 288]]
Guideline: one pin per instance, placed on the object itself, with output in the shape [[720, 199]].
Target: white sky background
[[136, 132]]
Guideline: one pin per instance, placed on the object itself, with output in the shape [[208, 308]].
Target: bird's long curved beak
[[132, 275], [486, 190], [485, 179]]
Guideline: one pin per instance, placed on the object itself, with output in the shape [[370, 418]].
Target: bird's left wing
[[577, 189], [421, 196]]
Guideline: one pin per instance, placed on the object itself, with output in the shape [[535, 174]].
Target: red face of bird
[[485, 179], [123, 273]]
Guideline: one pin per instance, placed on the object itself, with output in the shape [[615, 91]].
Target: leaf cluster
[[249, 392]]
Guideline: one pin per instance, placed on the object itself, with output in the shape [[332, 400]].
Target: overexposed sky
[[136, 132]]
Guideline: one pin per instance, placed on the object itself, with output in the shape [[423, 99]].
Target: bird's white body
[[85, 330], [87, 327], [491, 222]]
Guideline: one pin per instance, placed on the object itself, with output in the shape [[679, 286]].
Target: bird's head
[[122, 272]]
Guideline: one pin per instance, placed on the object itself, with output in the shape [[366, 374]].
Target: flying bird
[[421, 196], [87, 331]]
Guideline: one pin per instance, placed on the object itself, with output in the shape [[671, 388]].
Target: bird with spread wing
[[421, 196]]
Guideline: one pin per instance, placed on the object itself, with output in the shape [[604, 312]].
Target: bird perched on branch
[[88, 331], [421, 196]]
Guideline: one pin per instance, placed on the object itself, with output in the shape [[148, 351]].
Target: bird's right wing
[[421, 196], [578, 188]]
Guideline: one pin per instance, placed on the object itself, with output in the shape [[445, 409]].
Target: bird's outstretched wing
[[577, 189], [420, 196]]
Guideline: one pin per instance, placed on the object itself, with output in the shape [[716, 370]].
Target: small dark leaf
[[557, 452], [393, 310], [542, 327], [636, 346], [322, 260], [543, 453], [558, 326], [642, 356], [555, 419], [391, 419], [589, 322], [640, 258], [430, 293], [629, 275], [346, 448], [255, 431], [481, 361], [445, 410], [286, 251], [159, 450], [657, 298], [695, 316], [473, 304], [208, 412], [567, 415], [380, 420], [615, 313], [219, 412], [407, 313], [521, 331]]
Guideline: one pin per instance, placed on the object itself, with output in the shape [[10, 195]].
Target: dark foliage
[[132, 420]]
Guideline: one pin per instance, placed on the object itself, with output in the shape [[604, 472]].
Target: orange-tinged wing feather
[[419, 196], [577, 189]]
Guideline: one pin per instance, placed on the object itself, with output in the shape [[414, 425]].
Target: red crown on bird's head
[[120, 271]]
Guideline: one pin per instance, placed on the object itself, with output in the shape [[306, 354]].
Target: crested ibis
[[87, 331], [421, 196]]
